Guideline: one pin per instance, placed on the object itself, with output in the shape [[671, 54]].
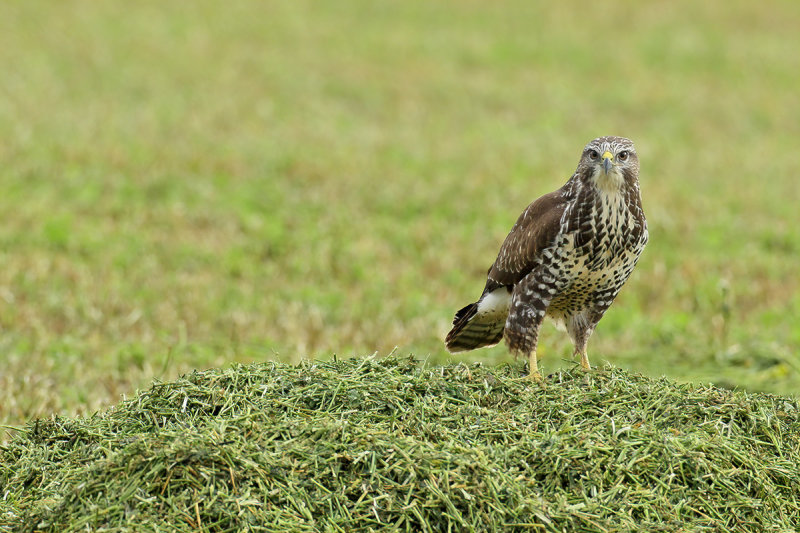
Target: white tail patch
[[496, 303]]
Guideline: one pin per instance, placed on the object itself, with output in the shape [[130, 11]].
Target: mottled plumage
[[566, 257]]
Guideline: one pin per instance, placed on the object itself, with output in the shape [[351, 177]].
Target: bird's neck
[[611, 184]]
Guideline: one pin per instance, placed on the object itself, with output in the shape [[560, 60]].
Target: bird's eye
[[593, 154], [623, 155]]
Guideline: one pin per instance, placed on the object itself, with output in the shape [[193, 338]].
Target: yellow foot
[[585, 363], [533, 368]]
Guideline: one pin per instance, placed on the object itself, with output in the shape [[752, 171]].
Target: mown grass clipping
[[371, 445]]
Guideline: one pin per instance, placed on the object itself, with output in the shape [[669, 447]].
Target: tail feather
[[464, 314], [475, 326]]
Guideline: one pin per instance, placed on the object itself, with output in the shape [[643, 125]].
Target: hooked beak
[[608, 161]]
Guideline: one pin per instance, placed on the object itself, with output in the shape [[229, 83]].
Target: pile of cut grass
[[389, 444]]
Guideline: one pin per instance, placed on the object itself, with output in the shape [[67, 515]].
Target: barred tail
[[478, 325]]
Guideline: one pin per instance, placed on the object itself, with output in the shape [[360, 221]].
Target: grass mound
[[387, 444]]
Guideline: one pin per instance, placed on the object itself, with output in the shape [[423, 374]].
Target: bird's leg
[[580, 328], [585, 367], [524, 343], [526, 314], [585, 361], [580, 349], [533, 367]]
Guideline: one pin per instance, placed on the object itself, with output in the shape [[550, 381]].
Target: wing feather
[[536, 229]]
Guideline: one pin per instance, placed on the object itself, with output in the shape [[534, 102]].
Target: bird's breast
[[601, 236]]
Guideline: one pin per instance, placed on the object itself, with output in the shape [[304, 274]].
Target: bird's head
[[610, 163]]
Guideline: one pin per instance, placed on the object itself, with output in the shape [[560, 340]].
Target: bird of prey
[[566, 257]]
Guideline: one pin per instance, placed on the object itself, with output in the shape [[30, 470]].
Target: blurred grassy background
[[189, 184]]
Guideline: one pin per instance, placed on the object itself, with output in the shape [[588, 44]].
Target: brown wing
[[535, 229]]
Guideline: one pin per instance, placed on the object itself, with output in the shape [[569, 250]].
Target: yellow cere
[[607, 155]]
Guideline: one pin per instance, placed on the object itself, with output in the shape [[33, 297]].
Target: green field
[[186, 185]]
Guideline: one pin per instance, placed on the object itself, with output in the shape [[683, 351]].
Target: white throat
[[610, 183]]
